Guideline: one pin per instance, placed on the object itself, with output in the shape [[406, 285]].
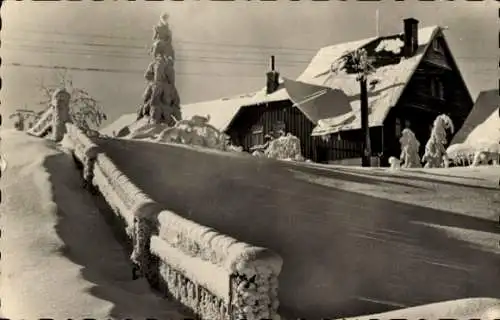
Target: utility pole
[[366, 156], [364, 67]]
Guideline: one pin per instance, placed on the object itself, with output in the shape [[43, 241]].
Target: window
[[437, 88], [257, 135], [397, 127], [436, 45]]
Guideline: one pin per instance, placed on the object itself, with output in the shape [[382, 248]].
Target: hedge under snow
[[196, 132], [285, 147]]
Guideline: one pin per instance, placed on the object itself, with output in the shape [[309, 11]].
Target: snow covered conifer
[[409, 150], [161, 99], [435, 151]]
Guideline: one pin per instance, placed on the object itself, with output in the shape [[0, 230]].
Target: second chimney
[[410, 36], [272, 78]]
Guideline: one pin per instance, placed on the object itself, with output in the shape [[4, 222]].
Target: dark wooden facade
[[253, 123], [435, 88]]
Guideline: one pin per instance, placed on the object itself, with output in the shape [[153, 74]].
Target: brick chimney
[[272, 78], [410, 37]]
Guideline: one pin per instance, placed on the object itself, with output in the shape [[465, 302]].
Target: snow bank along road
[[345, 253], [59, 258]]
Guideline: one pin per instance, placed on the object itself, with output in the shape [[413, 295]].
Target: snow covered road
[[345, 252], [59, 257]]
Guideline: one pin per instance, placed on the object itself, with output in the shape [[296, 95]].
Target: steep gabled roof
[[222, 111], [385, 84]]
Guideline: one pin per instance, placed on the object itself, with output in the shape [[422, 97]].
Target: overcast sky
[[222, 47]]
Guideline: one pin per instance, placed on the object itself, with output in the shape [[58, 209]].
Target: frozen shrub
[[395, 163], [435, 150], [198, 132], [286, 147], [409, 150]]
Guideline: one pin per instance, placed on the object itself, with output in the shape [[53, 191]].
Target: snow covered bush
[[435, 151], [482, 157], [286, 147], [395, 163], [409, 150], [197, 132]]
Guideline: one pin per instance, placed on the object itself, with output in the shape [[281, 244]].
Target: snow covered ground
[[59, 258], [473, 308], [472, 191]]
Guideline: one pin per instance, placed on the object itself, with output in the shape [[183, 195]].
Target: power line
[[146, 47], [88, 52], [218, 45], [232, 59], [132, 71], [229, 45]]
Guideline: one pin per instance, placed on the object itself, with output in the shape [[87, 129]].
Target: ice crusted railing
[[214, 275], [42, 125], [84, 150]]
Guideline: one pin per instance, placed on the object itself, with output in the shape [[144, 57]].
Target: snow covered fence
[[84, 150], [216, 276], [43, 124]]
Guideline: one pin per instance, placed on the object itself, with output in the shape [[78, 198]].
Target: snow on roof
[[485, 137], [222, 111], [487, 102], [385, 84]]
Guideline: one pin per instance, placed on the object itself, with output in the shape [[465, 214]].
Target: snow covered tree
[[85, 111], [409, 150], [161, 100], [435, 151]]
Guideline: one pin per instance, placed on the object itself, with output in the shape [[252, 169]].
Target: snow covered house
[[248, 118], [414, 79]]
